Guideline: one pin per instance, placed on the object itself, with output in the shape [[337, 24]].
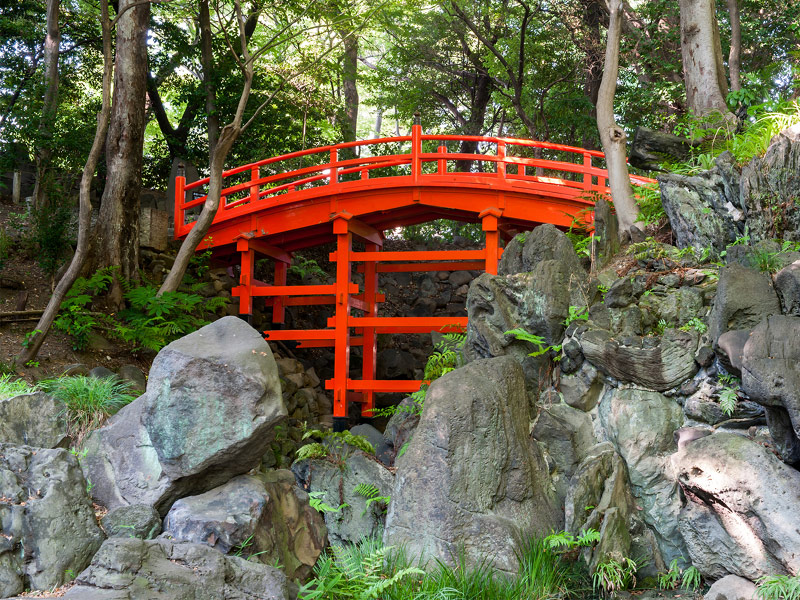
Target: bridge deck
[[279, 205]]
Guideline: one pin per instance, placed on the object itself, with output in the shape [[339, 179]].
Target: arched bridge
[[358, 191]]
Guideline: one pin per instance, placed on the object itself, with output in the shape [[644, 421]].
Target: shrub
[[5, 246], [50, 232]]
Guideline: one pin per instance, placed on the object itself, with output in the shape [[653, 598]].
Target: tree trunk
[[612, 135], [85, 210], [207, 61], [349, 87], [735, 55], [116, 234], [592, 16], [703, 71], [44, 150], [474, 126]]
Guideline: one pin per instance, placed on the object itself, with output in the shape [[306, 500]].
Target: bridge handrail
[[259, 198]]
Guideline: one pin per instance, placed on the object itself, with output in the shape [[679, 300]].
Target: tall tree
[[44, 150], [735, 54], [116, 234], [612, 135]]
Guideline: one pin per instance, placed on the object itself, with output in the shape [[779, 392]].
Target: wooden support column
[[370, 349], [341, 367], [489, 225], [279, 303], [246, 277]]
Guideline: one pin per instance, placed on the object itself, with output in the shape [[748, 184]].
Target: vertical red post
[[341, 350], [246, 277], [180, 198], [587, 174], [441, 163], [278, 306], [489, 225], [254, 188], [416, 150], [334, 170], [370, 348], [501, 164]]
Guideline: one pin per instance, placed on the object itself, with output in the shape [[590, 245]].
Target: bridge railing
[[281, 179]]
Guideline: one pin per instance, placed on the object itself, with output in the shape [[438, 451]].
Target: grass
[[357, 572], [11, 386], [88, 401]]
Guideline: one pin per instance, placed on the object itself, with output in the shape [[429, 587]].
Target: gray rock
[[676, 306], [771, 377], [606, 233], [33, 420], [650, 148], [544, 243], [401, 426], [744, 297], [641, 425], [212, 401], [655, 363], [459, 278], [396, 364], [787, 282], [134, 375], [138, 521], [702, 408], [338, 486], [102, 373], [738, 498], [472, 477], [731, 587], [730, 346], [703, 210], [48, 523], [133, 569], [582, 389], [384, 452]]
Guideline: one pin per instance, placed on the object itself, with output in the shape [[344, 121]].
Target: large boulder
[[472, 477], [787, 282], [213, 398], [732, 587], [741, 504], [545, 242], [270, 521], [771, 377], [641, 426], [137, 520], [657, 363], [48, 524], [744, 297], [337, 483], [134, 569], [33, 420]]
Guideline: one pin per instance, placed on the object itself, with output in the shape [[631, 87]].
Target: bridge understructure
[[360, 190]]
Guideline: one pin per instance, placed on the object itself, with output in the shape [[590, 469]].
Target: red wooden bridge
[[304, 199]]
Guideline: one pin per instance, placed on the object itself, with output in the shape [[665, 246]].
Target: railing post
[[441, 163], [254, 189], [501, 165], [416, 149], [587, 174], [334, 175], [180, 199], [341, 349]]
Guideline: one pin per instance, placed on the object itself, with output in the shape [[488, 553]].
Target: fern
[[309, 451], [536, 340], [367, 490], [316, 502]]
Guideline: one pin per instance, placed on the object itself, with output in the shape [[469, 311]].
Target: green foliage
[[149, 321], [661, 327], [534, 339], [670, 579], [442, 230], [88, 401], [778, 587], [316, 502], [338, 446], [11, 386], [577, 313], [764, 260], [372, 494], [691, 579], [650, 249], [729, 394], [564, 539], [50, 232], [611, 575], [5, 246], [315, 450], [302, 267], [648, 197], [695, 323]]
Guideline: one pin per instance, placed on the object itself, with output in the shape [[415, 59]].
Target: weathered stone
[[102, 373], [656, 363], [133, 569], [744, 297], [787, 282], [472, 477], [606, 233], [771, 377], [676, 306], [701, 407], [396, 364], [650, 148], [383, 450], [338, 486], [544, 243], [138, 520], [33, 420], [731, 587], [48, 523], [212, 401], [582, 389], [738, 498], [730, 346], [133, 375], [641, 425]]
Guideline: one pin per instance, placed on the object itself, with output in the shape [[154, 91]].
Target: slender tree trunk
[[735, 54], [349, 122], [44, 150], [592, 16], [474, 126], [703, 70], [85, 211], [207, 61], [116, 234], [612, 135]]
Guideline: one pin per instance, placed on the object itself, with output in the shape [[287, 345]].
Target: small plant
[[316, 502], [338, 445], [695, 323], [372, 494], [28, 339], [612, 576], [564, 539], [661, 327], [315, 450], [88, 401], [534, 339], [729, 394], [778, 587], [669, 580], [691, 578], [11, 386], [764, 260], [576, 313]]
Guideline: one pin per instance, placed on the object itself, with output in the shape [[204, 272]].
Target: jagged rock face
[[48, 523], [545, 242], [641, 426], [744, 297], [771, 377], [212, 401], [471, 475], [33, 420], [787, 282], [137, 520], [133, 569], [270, 520], [338, 484], [742, 503]]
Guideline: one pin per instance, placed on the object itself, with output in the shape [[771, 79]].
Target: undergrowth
[[11, 386]]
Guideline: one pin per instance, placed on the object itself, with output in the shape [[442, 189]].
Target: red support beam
[[341, 354]]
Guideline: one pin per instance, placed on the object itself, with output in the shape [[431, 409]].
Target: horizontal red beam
[[415, 255], [300, 334], [418, 267], [291, 290], [402, 323], [378, 385]]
